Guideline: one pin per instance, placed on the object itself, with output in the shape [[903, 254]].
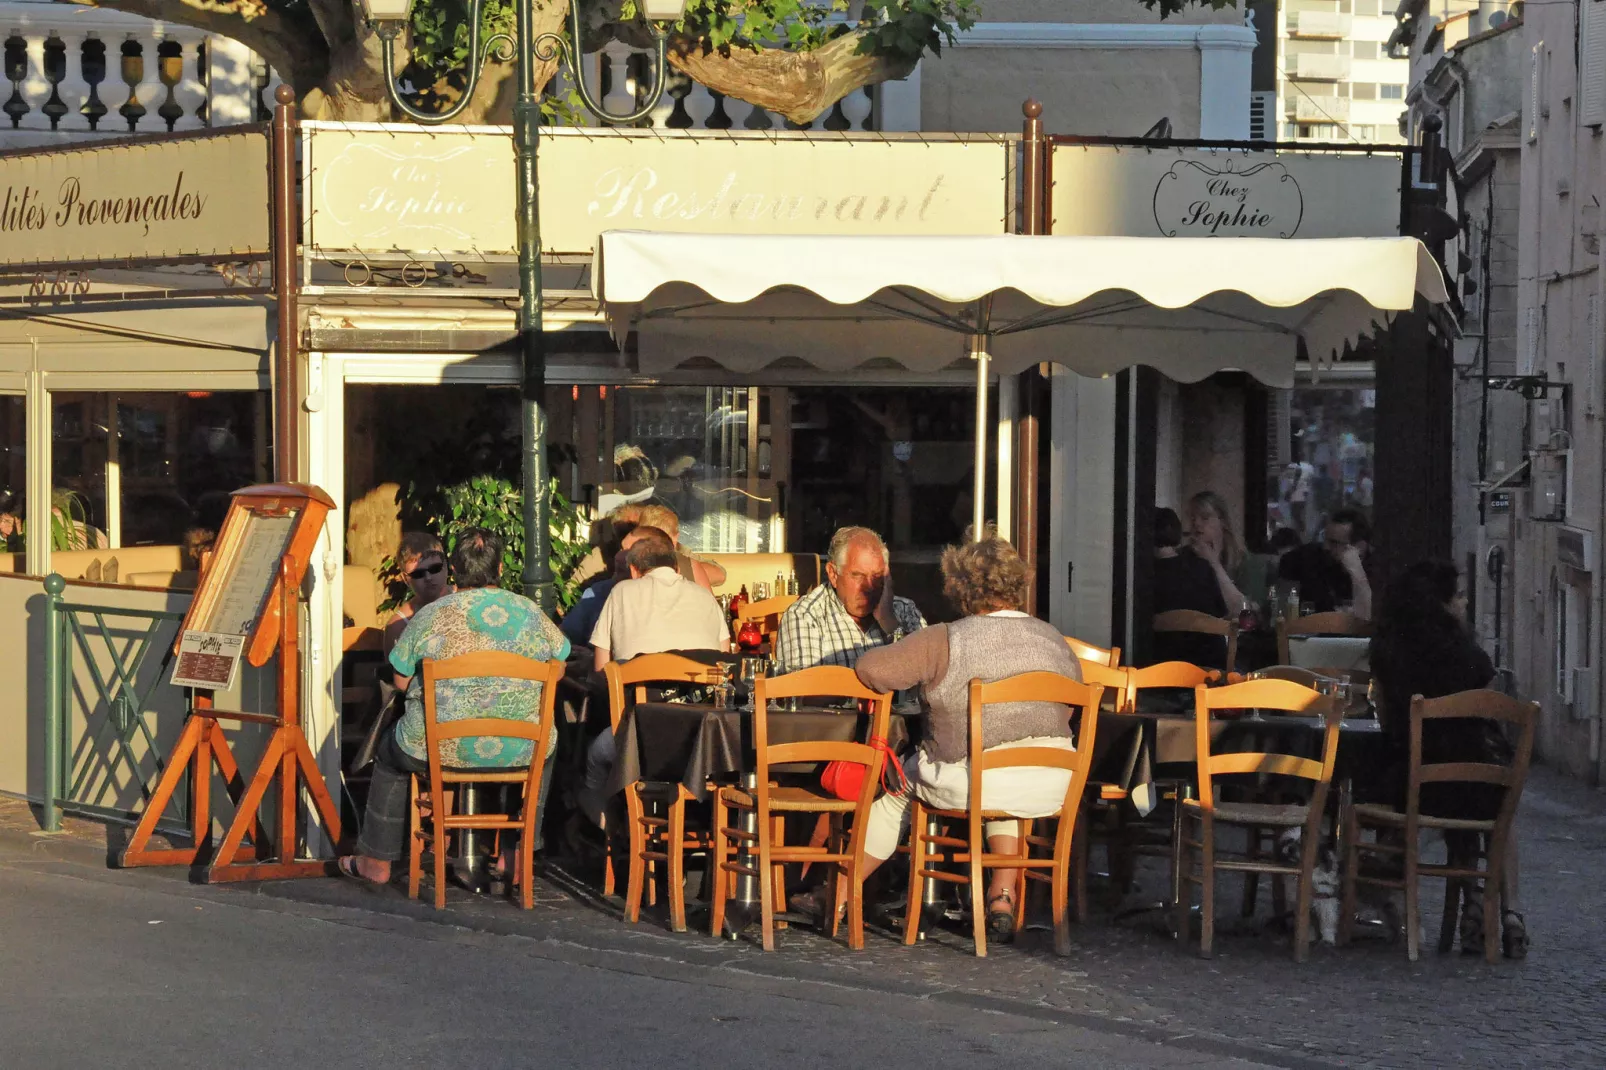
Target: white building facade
[[1335, 79]]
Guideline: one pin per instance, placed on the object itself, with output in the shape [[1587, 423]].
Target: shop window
[[1330, 446], [141, 469], [13, 471]]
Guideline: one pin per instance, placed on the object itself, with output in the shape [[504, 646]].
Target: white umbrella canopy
[[1189, 307]]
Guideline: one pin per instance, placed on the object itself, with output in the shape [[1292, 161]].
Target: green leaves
[[497, 504]]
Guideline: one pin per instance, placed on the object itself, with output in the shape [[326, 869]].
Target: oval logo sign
[[1196, 200]]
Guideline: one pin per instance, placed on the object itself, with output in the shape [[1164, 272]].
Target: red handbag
[[845, 780]]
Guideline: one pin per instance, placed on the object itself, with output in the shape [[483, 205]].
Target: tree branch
[[802, 86], [290, 42]]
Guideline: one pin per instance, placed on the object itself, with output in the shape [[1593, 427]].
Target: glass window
[[13, 471], [1363, 90], [1391, 92], [1330, 449], [1365, 49], [170, 466]]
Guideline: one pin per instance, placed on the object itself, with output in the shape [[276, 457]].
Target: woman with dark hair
[[1184, 580], [1421, 645]]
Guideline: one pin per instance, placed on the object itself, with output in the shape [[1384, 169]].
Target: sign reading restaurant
[[1224, 193], [142, 200], [396, 190]]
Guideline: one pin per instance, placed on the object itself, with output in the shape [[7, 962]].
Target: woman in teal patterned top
[[479, 616]]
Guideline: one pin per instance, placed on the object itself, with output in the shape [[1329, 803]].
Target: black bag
[[390, 705]]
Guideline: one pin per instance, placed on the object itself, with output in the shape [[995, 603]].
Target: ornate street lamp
[[388, 17]]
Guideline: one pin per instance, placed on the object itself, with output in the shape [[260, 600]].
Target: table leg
[[470, 863], [744, 905], [932, 907]]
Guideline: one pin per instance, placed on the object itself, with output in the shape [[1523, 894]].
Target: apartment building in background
[[1331, 77]]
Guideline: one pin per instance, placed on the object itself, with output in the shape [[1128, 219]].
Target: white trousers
[[1025, 792]]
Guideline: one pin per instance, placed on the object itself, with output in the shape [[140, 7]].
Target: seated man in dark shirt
[[1184, 580], [1330, 574]]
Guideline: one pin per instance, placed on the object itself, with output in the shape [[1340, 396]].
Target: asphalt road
[[102, 968]]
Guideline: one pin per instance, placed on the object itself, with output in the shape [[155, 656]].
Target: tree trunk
[[802, 86]]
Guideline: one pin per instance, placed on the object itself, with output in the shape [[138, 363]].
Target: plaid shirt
[[817, 630]]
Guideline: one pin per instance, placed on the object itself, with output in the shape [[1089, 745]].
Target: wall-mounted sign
[[174, 199], [1224, 193], [392, 191]]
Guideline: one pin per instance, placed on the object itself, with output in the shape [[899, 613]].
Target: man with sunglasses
[[423, 568]]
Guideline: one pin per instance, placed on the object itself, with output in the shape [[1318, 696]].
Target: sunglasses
[[425, 570]]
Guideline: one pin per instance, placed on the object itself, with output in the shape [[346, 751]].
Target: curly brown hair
[[985, 576]]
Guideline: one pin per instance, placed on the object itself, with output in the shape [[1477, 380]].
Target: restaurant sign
[[168, 199], [1222, 193], [387, 191]]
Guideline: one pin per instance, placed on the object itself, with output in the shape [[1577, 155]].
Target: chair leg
[[766, 885], [1352, 861], [1207, 887], [1302, 896], [415, 840], [675, 848], [917, 862], [526, 861], [439, 812], [978, 894], [1023, 850], [1082, 846], [1060, 893], [1413, 919], [638, 865], [777, 872], [1453, 890], [1493, 900], [718, 858]]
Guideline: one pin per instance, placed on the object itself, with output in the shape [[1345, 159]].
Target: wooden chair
[[1490, 705], [1117, 683], [654, 837], [1206, 812], [770, 803], [439, 823], [1190, 620], [926, 849], [767, 614], [1317, 624], [1088, 652]]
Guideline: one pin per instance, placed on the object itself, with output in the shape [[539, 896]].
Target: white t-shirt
[[660, 611]]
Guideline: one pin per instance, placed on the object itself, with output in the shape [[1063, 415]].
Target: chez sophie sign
[[185, 198], [1222, 193], [388, 191]]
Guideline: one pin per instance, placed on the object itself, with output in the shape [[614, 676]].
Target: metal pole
[[286, 372], [54, 693], [1034, 198], [532, 335], [978, 508]]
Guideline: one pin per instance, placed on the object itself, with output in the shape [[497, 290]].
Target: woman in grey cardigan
[[987, 582]]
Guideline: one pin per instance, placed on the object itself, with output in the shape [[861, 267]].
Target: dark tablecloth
[[669, 742]]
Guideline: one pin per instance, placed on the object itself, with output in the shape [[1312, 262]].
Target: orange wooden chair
[[927, 849], [1489, 705], [770, 803], [767, 614], [1117, 684], [654, 837], [1191, 620], [1088, 652], [1206, 812], [434, 827], [1317, 624]]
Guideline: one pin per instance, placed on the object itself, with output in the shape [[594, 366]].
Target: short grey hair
[[846, 537]]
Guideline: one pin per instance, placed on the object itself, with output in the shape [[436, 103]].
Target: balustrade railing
[[86, 71]]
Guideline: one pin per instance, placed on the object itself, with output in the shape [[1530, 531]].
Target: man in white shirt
[[657, 609]]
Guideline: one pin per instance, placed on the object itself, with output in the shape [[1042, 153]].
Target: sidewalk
[[1361, 1006]]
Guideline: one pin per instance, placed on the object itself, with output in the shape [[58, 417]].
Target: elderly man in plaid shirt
[[853, 611]]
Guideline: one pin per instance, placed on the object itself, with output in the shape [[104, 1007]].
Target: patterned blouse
[[467, 622]]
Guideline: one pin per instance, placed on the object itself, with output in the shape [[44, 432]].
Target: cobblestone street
[[1361, 1006]]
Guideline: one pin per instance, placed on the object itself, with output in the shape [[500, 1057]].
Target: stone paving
[[1361, 1006]]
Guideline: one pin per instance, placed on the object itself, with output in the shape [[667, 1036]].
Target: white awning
[[1187, 306]]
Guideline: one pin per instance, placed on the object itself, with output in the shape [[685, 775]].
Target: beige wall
[[1083, 91]]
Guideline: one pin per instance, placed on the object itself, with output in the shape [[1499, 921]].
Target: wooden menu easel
[[242, 594]]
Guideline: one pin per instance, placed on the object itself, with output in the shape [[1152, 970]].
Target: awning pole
[[978, 506]]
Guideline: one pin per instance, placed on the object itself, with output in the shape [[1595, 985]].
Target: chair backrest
[[1168, 675], [502, 665], [1275, 695], [644, 669], [823, 681], [1294, 674], [1490, 706], [766, 613], [1191, 620], [1116, 681], [1110, 658], [1334, 623], [1033, 687]]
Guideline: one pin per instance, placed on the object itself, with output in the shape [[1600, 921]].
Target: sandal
[[1513, 935], [1001, 922], [346, 869]]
